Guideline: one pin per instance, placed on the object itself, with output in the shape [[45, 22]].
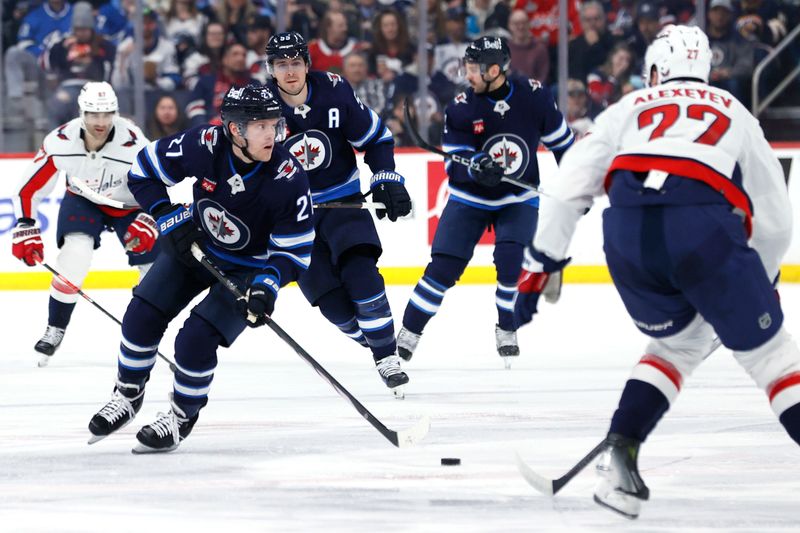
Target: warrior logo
[[226, 230], [311, 148], [510, 151]]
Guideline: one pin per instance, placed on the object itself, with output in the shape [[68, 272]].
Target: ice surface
[[277, 450]]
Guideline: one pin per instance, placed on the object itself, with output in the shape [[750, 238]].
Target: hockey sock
[[640, 408], [340, 311], [196, 359], [508, 262], [790, 419], [441, 273], [59, 313], [142, 329]]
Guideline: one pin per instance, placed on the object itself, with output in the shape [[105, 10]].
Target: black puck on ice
[[451, 461]]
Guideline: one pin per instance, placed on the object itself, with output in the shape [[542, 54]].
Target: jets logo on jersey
[[225, 229], [510, 152], [208, 137], [334, 78], [311, 148], [286, 170]]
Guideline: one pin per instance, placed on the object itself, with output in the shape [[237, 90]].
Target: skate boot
[[620, 488], [118, 412], [166, 433], [507, 345], [406, 343], [393, 375], [49, 343]]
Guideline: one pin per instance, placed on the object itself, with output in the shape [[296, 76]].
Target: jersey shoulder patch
[[460, 98], [535, 85], [335, 79], [209, 137]]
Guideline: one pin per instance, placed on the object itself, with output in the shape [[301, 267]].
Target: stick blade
[[409, 437], [538, 482]]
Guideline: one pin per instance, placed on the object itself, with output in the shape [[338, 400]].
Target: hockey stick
[[455, 158], [86, 297], [401, 439], [350, 205], [97, 198]]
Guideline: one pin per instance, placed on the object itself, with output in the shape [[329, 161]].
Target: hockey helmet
[[247, 104], [487, 51], [96, 97], [287, 45], [679, 52]]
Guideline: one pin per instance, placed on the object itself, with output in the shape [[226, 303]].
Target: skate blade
[[142, 449], [96, 438], [633, 505], [43, 361], [399, 392], [507, 359]]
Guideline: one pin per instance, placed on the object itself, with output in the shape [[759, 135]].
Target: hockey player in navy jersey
[[326, 121], [252, 214], [698, 224], [498, 123]]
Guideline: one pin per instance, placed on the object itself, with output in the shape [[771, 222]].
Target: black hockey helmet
[[287, 45], [487, 51], [246, 104]]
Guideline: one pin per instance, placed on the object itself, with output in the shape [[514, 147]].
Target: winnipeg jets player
[[95, 151], [326, 121], [252, 214], [698, 224], [499, 123]]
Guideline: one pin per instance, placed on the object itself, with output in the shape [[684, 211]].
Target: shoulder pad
[[209, 137]]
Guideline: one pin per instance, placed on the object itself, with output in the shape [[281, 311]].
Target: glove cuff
[[25, 222], [169, 219], [386, 176], [270, 279]]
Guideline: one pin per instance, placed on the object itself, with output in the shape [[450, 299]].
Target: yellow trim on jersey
[[476, 275]]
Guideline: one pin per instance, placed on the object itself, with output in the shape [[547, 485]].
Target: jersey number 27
[[670, 113]]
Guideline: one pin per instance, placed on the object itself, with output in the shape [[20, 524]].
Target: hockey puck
[[450, 461]]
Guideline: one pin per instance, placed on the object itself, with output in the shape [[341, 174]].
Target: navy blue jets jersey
[[323, 131], [258, 215], [509, 130]]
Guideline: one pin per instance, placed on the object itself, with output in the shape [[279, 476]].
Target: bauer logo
[[226, 230]]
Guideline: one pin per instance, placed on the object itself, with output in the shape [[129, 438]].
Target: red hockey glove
[[26, 242], [141, 235], [540, 275]]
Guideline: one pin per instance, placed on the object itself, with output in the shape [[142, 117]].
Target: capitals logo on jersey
[[510, 152], [311, 148], [225, 230]]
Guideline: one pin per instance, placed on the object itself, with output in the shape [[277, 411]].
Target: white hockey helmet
[[97, 97], [678, 52]]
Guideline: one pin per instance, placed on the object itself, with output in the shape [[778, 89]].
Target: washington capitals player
[[95, 151], [252, 214], [326, 120], [498, 123], [698, 224]]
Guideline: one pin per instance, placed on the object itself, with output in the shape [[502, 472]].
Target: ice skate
[[507, 346], [391, 373], [620, 488], [406, 343], [166, 433], [49, 343], [118, 412]]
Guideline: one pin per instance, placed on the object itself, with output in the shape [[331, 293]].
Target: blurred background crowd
[[194, 50]]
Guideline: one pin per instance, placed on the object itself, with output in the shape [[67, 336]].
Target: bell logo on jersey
[[226, 230], [311, 148], [510, 152], [286, 170]]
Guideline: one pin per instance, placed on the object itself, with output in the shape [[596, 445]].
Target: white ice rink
[[277, 450]]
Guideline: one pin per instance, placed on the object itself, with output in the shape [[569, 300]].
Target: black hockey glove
[[541, 275], [178, 232], [262, 292], [489, 173], [388, 187]]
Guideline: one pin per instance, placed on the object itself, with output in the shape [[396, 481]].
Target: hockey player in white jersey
[[95, 151], [698, 224]]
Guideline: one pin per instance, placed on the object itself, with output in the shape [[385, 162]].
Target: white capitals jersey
[[105, 172], [680, 127]]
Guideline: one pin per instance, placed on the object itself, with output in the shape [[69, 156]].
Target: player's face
[[98, 125], [290, 73], [472, 72], [262, 136]]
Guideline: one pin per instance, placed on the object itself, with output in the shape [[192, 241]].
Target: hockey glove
[[540, 275], [262, 292], [26, 242], [177, 230], [489, 172], [388, 187], [141, 234]]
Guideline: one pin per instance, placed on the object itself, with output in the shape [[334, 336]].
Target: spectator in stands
[[111, 21], [765, 20], [206, 99], [303, 16], [333, 43], [160, 60], [579, 108], [83, 55], [529, 58], [622, 25], [647, 27], [732, 56], [499, 16], [590, 49], [207, 59], [233, 15], [165, 119], [367, 10], [611, 81], [477, 13], [183, 17], [390, 39], [436, 22], [372, 91], [12, 23], [449, 53], [543, 15], [259, 30]]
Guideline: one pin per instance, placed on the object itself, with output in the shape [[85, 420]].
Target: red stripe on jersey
[[666, 368], [690, 169], [783, 383], [34, 184]]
